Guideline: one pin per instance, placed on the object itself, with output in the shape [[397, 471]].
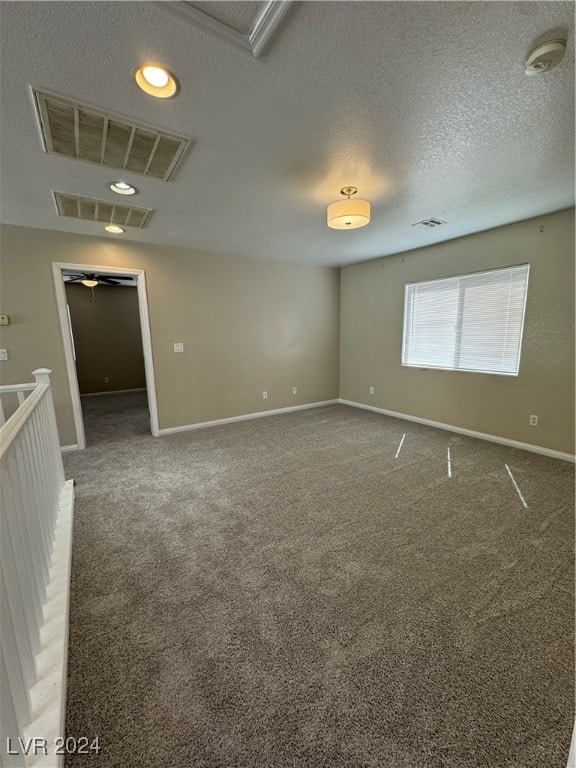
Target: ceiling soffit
[[238, 14], [253, 43]]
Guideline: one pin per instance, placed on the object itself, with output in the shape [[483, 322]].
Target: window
[[466, 323]]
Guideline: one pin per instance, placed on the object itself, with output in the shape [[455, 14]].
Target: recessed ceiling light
[[156, 76], [122, 188], [114, 229], [156, 81]]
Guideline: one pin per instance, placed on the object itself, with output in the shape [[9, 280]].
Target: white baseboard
[[245, 417], [113, 392], [469, 432], [67, 448]]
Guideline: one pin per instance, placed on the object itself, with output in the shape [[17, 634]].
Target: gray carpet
[[285, 593]]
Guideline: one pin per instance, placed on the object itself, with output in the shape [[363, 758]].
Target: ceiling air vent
[[428, 223], [81, 132], [89, 209]]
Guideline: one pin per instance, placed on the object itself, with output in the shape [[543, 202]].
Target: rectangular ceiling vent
[[81, 132], [428, 223], [89, 209]]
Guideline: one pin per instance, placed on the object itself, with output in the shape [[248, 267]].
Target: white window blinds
[[466, 323]]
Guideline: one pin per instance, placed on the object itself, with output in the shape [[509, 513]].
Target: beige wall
[[250, 325], [247, 325], [107, 337], [372, 297]]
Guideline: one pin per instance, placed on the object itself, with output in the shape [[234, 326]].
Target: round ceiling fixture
[[349, 213], [114, 229], [89, 283], [545, 57], [156, 81], [122, 188]]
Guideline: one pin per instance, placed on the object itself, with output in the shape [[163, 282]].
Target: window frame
[[460, 326]]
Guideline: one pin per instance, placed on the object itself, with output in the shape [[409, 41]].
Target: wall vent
[[90, 209], [81, 132], [428, 223]]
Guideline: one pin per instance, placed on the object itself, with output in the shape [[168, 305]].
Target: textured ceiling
[[424, 106]]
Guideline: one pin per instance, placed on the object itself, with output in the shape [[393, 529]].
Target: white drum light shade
[[348, 214]]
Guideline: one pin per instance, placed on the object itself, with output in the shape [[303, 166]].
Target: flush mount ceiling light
[[122, 188], [349, 213], [114, 229], [156, 81], [545, 57]]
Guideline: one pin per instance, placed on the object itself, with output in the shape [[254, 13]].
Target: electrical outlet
[[178, 346], [371, 390], [106, 380], [3, 354], [294, 390], [533, 421], [265, 395]]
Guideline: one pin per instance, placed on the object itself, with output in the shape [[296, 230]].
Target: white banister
[[35, 549], [11, 397]]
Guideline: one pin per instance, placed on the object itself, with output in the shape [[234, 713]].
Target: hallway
[[109, 418]]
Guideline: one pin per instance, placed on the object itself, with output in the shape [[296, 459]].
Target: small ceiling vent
[[89, 209], [428, 224], [81, 132]]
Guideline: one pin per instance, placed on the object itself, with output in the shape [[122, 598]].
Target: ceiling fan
[[90, 280]]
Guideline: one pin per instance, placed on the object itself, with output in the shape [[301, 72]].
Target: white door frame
[[57, 269]]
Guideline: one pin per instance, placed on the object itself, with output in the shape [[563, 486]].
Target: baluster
[[37, 508], [29, 577], [16, 589], [18, 687], [47, 503], [8, 722], [28, 473], [52, 478], [30, 535], [42, 376]]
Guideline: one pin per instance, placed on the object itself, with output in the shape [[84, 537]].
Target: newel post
[[42, 376]]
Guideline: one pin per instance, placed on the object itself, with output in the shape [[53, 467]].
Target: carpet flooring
[[288, 593]]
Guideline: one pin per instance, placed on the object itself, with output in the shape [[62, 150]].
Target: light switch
[[3, 354], [178, 346], [4, 320]]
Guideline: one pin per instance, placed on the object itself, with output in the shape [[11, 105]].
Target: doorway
[[91, 377]]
